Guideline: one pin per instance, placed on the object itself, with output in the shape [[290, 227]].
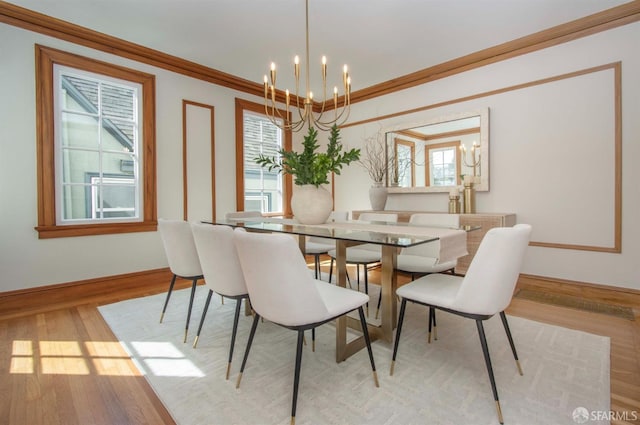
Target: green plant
[[310, 166]]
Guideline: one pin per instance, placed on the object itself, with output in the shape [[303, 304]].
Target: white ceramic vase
[[310, 204], [378, 196]]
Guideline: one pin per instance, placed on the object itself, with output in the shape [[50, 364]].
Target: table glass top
[[353, 231]]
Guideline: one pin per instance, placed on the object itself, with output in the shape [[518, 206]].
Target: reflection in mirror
[[431, 156]]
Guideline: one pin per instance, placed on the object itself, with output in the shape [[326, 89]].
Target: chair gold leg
[[429, 338], [375, 379], [161, 316], [519, 368], [195, 341], [293, 420], [393, 364], [499, 410], [228, 370], [239, 379], [377, 312], [185, 335], [435, 333]]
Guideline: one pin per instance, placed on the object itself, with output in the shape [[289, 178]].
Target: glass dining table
[[390, 236]]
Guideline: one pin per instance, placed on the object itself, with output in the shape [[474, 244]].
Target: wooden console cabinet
[[486, 221]]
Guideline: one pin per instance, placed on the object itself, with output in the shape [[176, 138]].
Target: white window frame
[[136, 154], [280, 177]]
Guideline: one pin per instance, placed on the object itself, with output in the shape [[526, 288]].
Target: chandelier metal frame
[[305, 112]]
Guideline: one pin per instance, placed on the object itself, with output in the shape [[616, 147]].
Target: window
[[405, 163], [95, 121], [443, 164], [259, 189], [96, 133]]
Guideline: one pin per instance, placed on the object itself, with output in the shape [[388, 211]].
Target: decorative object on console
[[312, 204], [378, 196], [305, 111], [454, 201], [469, 195], [376, 162]]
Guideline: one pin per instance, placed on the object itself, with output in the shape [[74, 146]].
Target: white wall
[[552, 152], [26, 261]]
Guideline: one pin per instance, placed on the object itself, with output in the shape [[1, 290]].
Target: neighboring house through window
[[259, 189], [96, 147]]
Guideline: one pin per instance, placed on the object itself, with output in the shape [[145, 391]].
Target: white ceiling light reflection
[[165, 359]]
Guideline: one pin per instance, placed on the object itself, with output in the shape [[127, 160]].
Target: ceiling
[[379, 39]]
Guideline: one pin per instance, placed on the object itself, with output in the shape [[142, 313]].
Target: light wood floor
[[64, 366]]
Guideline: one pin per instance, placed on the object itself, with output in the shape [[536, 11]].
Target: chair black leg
[[193, 293], [403, 306], [430, 313], [331, 270], [204, 313], [256, 319], [331, 274], [366, 278], [296, 376], [166, 301], [358, 275], [316, 259], [379, 301], [366, 284], [367, 340], [487, 360], [513, 346], [233, 334], [435, 326]]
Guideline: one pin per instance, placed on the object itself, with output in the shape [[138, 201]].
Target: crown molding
[[592, 24]]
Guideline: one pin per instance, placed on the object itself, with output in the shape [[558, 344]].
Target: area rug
[[566, 372]]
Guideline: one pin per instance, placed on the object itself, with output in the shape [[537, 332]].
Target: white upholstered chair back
[[338, 216], [242, 214], [179, 247], [431, 249], [219, 259], [488, 286], [387, 218], [334, 217], [280, 286]]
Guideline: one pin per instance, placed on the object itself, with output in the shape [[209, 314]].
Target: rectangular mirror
[[431, 156]]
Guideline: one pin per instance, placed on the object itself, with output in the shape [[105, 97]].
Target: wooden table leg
[[341, 322], [389, 284], [389, 307]]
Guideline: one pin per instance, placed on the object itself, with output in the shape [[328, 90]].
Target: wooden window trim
[[241, 106], [45, 145], [412, 147]]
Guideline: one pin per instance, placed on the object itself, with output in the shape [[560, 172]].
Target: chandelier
[[304, 113]]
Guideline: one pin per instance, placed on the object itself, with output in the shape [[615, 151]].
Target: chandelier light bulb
[[313, 114]]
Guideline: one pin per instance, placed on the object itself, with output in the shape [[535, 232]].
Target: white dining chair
[[222, 273], [364, 254], [182, 256], [242, 214], [424, 259], [484, 291], [283, 291], [317, 246]]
